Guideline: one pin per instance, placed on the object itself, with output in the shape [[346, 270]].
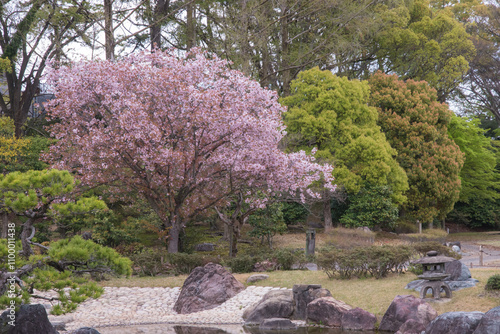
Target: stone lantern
[[434, 273]]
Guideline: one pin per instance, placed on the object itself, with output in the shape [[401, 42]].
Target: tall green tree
[[332, 114], [416, 125], [425, 43], [479, 202], [479, 175]]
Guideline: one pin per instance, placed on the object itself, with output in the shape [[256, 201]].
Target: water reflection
[[221, 329]]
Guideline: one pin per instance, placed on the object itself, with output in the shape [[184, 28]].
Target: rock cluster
[[311, 303]]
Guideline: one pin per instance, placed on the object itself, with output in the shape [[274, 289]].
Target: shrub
[[493, 282], [148, 262], [183, 263], [373, 207], [294, 213], [423, 247], [376, 261], [286, 257], [130, 249], [267, 223], [108, 230], [243, 263]]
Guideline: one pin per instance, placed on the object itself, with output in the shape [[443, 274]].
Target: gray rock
[[206, 288], [454, 243], [457, 271], [459, 285], [257, 277], [412, 326], [30, 319], [327, 311], [59, 325], [456, 249], [204, 247], [277, 324], [85, 330], [490, 323], [454, 285], [359, 320], [274, 304], [455, 322], [404, 308], [303, 294]]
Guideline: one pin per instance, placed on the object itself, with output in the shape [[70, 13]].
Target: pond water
[[220, 329]]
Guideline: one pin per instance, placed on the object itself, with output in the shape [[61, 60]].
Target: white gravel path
[[134, 306]]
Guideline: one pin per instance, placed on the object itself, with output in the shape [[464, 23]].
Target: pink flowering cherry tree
[[186, 133]]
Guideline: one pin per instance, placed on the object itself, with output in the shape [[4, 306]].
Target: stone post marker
[[310, 241]]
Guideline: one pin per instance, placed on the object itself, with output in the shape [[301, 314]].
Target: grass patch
[[475, 237], [427, 235]]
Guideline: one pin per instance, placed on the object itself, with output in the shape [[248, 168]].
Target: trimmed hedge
[[376, 261]]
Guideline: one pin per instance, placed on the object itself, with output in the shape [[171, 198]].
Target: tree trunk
[[159, 13], [173, 237], [109, 39], [231, 241], [286, 75], [327, 214], [26, 235], [190, 27]]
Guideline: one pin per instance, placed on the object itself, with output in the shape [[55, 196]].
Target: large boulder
[[274, 304], [327, 311], [303, 294], [206, 288], [455, 322], [490, 323], [359, 320], [30, 319], [457, 271], [404, 308], [411, 327]]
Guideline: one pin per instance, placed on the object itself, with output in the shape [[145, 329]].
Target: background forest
[[401, 97]]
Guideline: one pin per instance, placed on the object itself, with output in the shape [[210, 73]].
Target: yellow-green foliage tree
[[332, 114], [10, 146], [423, 42], [416, 125]]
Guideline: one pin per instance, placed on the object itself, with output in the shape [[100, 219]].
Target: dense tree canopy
[[480, 178], [426, 44], [416, 125], [190, 135], [331, 113]]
